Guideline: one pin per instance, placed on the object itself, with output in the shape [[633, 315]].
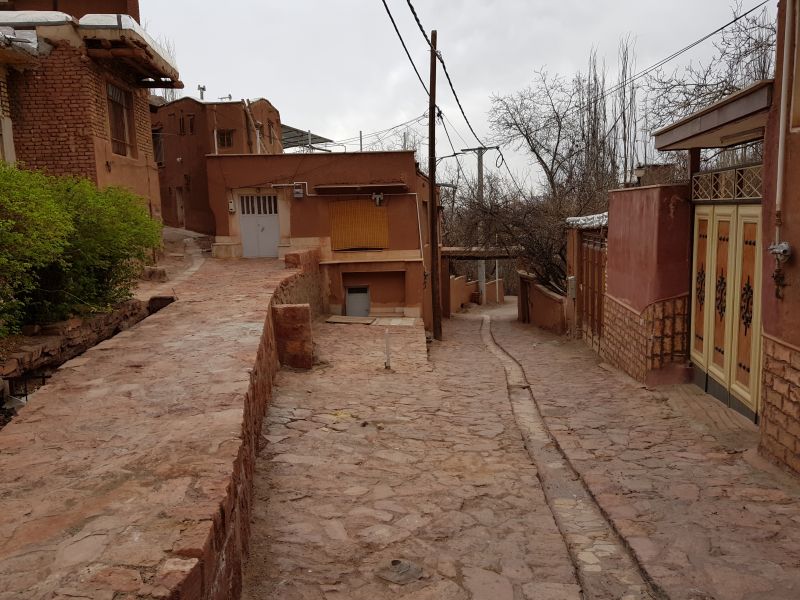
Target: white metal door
[[358, 302], [259, 226]]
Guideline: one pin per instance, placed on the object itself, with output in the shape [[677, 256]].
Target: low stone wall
[[226, 548], [130, 475], [56, 343], [647, 345], [780, 416]]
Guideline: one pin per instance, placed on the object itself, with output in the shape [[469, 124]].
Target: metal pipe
[[788, 37]]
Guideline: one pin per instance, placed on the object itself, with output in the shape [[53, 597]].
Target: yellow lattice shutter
[[357, 224]]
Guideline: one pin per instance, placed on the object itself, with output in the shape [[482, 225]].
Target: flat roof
[[461, 253], [739, 118]]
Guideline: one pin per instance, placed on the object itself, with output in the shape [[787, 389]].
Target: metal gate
[[726, 306], [259, 226], [592, 285]]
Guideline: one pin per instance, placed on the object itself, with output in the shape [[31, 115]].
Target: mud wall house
[[366, 212], [185, 131], [79, 105]]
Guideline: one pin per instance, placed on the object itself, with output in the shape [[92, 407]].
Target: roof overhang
[[397, 187], [13, 53], [291, 137], [108, 37], [120, 38], [737, 119]]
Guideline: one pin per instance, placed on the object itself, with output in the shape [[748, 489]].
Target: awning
[[398, 187], [291, 137], [737, 119]]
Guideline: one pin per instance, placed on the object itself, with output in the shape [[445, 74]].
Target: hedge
[[67, 247]]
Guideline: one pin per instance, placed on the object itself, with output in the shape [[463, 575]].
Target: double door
[[726, 303]]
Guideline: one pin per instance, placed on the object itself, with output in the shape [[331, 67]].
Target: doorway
[[259, 226], [726, 304], [180, 211], [357, 302]]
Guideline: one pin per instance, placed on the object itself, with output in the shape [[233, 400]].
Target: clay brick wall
[[541, 307], [217, 575], [59, 141], [642, 344], [780, 418], [5, 102]]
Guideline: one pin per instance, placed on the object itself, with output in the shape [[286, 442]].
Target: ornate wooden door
[[726, 315], [718, 313], [701, 293], [746, 309]]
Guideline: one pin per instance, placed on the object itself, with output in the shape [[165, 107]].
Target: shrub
[[34, 232], [94, 243]]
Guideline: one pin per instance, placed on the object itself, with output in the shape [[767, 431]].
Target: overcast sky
[[337, 67]]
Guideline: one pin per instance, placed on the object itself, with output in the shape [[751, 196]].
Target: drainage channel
[[605, 567]]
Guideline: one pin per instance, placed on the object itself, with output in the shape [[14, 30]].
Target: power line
[[408, 54], [446, 72]]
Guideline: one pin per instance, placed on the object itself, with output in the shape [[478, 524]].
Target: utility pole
[[433, 208], [481, 264]]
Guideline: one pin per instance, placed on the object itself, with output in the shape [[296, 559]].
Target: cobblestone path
[[423, 464], [703, 515]]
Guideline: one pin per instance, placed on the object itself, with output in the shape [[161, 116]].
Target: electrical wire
[[408, 54]]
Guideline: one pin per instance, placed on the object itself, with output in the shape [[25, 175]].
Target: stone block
[[293, 335]]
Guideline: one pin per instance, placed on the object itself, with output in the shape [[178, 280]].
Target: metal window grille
[[258, 205]]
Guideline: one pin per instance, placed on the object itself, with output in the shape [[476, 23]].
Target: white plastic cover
[[589, 221], [32, 18], [98, 21]]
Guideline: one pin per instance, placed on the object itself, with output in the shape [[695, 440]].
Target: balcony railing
[[740, 184]]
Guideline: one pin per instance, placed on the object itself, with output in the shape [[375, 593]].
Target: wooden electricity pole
[[433, 207]]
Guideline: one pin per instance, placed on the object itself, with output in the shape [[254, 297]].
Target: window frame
[[121, 120], [222, 135]]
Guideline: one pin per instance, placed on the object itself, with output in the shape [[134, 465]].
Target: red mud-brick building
[[185, 131], [700, 281], [365, 211], [78, 104]]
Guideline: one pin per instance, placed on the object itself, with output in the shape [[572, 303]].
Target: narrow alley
[[423, 464], [361, 467]]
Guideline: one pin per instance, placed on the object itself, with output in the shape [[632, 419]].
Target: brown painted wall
[[781, 318], [78, 8], [649, 237], [228, 172], [184, 163], [61, 125], [386, 288]]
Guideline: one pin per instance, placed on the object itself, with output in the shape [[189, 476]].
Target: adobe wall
[[544, 309], [781, 318], [649, 244], [780, 395], [185, 164], [75, 139], [252, 171]]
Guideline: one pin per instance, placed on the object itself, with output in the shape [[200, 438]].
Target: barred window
[[120, 118]]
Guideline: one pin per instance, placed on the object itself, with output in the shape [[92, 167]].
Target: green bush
[[67, 247]]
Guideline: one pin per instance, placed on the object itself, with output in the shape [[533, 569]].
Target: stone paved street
[[674, 470], [423, 464]]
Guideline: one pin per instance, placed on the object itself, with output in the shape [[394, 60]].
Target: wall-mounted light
[[378, 198], [298, 191]]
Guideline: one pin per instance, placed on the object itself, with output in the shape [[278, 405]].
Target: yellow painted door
[[722, 273], [744, 375], [701, 292]]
